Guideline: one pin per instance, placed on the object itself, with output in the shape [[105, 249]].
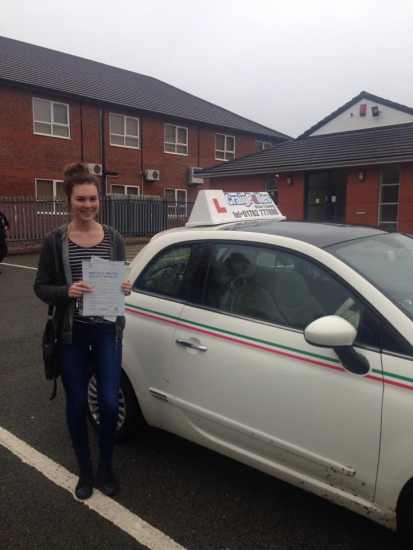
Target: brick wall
[[25, 156], [362, 203], [363, 196], [290, 198]]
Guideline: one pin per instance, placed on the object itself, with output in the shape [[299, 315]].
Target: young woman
[[77, 334]]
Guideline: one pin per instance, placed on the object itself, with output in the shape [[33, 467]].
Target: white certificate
[[105, 279]]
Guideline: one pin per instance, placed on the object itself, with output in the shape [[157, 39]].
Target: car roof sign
[[214, 207]]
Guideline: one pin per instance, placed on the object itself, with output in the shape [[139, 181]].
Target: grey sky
[[283, 63]]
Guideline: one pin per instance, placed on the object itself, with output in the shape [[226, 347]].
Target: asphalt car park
[[199, 498]]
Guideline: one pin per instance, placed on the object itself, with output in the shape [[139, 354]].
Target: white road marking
[[22, 266], [108, 508]]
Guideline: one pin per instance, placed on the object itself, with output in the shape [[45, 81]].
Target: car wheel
[[130, 416]]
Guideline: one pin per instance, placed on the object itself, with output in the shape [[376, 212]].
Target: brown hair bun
[[77, 173], [75, 168]]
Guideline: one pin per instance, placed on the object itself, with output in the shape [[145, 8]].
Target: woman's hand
[[77, 289], [126, 288]]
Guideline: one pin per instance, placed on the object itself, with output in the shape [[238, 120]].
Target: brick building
[[141, 135], [354, 166]]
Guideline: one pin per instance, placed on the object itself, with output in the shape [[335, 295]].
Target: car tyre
[[130, 417]]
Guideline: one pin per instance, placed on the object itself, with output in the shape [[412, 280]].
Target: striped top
[[76, 255]]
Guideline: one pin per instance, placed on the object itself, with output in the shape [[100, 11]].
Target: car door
[[250, 385], [153, 308]]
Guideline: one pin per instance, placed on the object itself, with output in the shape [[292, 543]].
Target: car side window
[[274, 285], [170, 273]]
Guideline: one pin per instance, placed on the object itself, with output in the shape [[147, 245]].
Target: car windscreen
[[386, 261]]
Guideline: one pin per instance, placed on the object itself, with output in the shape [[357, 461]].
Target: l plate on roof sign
[[213, 207]]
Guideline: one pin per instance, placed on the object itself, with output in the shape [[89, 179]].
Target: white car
[[285, 345]]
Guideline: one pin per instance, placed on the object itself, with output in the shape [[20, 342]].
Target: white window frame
[[176, 143], [125, 188], [226, 150], [55, 199], [52, 122], [124, 135], [263, 145], [383, 185], [178, 208]]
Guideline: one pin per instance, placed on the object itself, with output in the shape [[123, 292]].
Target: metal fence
[[31, 218]]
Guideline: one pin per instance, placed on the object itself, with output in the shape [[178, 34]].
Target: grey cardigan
[[47, 288]]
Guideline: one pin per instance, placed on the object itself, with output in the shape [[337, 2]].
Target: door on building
[[326, 196]]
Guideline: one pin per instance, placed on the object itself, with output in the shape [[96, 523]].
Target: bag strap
[[51, 306]]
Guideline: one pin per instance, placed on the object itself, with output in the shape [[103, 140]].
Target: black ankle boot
[[106, 481], [84, 487]]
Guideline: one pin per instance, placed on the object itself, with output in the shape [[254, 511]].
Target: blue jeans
[[74, 364]]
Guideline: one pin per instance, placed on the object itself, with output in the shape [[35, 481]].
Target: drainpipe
[[102, 150], [141, 146], [81, 132]]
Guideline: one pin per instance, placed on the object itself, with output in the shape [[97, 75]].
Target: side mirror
[[335, 332]]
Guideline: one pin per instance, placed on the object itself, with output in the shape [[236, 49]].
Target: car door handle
[[190, 345]]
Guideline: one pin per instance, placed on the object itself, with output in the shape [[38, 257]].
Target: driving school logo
[[247, 199]]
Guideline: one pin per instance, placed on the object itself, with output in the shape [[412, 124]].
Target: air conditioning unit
[[95, 169], [152, 175], [192, 178]]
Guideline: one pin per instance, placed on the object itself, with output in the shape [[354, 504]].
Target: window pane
[[390, 174], [119, 189], [132, 191], [181, 195], [131, 127], [170, 194], [165, 274], [60, 113], [59, 189], [44, 188], [390, 193], [182, 135], [42, 128], [117, 140], [220, 142], [257, 146], [116, 124], [60, 131], [229, 156], [42, 110], [389, 226], [388, 212], [230, 144], [170, 133], [132, 142], [182, 149], [169, 147], [267, 145], [220, 155]]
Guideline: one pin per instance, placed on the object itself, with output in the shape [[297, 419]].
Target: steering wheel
[[345, 306]]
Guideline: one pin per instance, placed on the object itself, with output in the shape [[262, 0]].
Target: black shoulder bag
[[49, 340]]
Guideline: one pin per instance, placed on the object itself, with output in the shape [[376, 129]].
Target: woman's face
[[84, 201]]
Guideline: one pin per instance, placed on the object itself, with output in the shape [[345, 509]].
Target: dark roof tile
[[363, 147], [48, 70]]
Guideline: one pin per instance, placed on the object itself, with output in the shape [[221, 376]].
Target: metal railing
[[31, 218]]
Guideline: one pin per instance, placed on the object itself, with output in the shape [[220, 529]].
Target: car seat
[[295, 301], [254, 301]]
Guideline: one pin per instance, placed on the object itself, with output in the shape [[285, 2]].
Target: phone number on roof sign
[[255, 213]]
